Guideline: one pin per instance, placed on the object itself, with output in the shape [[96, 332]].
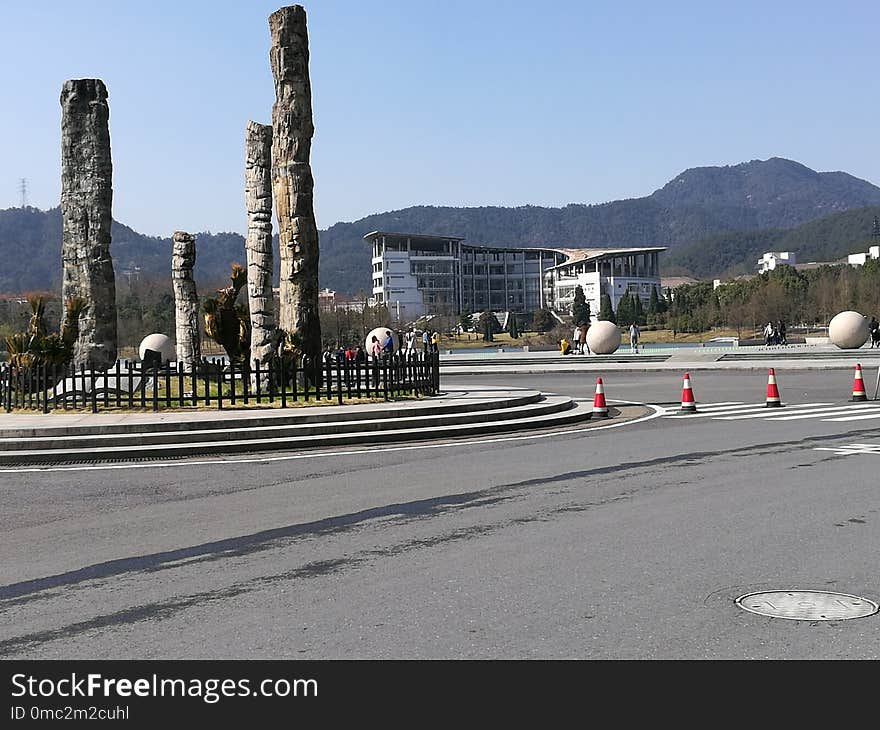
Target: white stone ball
[[848, 330], [158, 343], [381, 334], [603, 338]]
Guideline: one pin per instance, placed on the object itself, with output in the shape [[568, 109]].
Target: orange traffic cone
[[859, 385], [773, 399], [688, 404], [600, 410]]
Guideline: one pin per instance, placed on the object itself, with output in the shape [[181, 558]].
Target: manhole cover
[[807, 605]]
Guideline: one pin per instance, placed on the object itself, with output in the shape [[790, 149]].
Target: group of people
[[383, 345], [775, 334], [429, 341]]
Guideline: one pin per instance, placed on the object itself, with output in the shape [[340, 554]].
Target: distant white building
[[859, 259], [772, 259]]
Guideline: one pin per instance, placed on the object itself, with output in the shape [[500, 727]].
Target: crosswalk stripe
[[705, 407], [722, 405], [856, 418], [747, 411], [832, 411], [813, 408], [849, 449]]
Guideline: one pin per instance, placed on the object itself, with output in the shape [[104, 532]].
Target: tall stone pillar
[[186, 300], [292, 182], [86, 200], [258, 244]]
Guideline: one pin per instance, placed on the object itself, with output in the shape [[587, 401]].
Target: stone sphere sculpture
[[603, 338], [381, 334], [159, 343], [848, 330]]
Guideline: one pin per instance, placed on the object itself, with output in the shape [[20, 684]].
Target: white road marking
[[657, 411], [849, 449], [710, 408], [815, 408], [855, 418], [833, 411], [742, 411]]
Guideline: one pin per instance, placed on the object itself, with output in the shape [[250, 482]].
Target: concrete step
[[241, 430], [39, 426], [562, 411]]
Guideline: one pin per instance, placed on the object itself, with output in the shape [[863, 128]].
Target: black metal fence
[[216, 383]]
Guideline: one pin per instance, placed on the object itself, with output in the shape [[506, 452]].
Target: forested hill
[[698, 203], [30, 248], [736, 252]]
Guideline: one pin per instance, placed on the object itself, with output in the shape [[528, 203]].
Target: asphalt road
[[627, 543]]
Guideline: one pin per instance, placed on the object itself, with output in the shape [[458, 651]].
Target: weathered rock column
[[258, 244], [292, 182], [186, 300], [86, 201]]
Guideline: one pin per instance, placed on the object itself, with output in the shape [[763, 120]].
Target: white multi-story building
[[414, 275], [772, 259], [613, 271]]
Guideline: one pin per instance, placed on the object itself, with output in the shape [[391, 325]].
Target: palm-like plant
[[35, 347], [226, 322]]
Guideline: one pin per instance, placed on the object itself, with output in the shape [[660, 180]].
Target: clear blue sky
[[441, 102]]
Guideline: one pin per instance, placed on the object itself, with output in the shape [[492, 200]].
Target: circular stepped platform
[[459, 414]]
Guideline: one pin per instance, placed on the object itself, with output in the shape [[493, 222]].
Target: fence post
[[180, 383], [307, 377], [232, 381], [156, 387], [45, 390], [245, 379], [339, 381], [329, 377], [130, 375], [207, 381], [258, 381], [282, 381], [220, 386]]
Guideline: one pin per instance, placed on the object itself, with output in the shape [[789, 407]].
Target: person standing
[[375, 355], [425, 341], [634, 338], [576, 341], [768, 334], [874, 329], [388, 343], [435, 342]]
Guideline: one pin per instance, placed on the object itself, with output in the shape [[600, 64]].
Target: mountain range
[[713, 219]]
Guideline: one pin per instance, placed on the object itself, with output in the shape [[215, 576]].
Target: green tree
[[653, 302], [580, 309], [487, 321], [543, 321], [606, 310], [638, 310], [625, 311], [513, 327], [466, 320]]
